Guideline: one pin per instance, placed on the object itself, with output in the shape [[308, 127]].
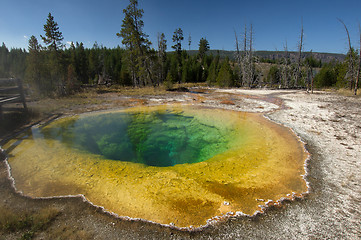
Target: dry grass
[[344, 92], [69, 233], [131, 91], [348, 92], [101, 95], [26, 224], [146, 91], [30, 224]]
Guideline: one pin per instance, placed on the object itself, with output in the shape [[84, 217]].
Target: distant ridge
[[275, 55]]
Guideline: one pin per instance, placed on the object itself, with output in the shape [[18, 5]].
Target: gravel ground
[[329, 124]]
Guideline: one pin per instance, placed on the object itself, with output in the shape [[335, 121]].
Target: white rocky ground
[[331, 126]]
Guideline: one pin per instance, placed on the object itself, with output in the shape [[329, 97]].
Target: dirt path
[[330, 125]]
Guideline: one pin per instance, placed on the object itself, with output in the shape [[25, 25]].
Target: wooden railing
[[11, 91]]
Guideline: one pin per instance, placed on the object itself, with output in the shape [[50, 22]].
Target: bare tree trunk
[[189, 42], [244, 58], [248, 70], [285, 73], [350, 64], [160, 70], [312, 78], [298, 68], [250, 43], [251, 67], [245, 39], [359, 63], [310, 75], [238, 57]]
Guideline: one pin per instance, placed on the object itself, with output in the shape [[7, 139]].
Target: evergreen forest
[[49, 68]]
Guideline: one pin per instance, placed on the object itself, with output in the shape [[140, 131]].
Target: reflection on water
[[167, 164]]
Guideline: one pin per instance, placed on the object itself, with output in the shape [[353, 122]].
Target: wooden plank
[[8, 81], [12, 109], [9, 89], [8, 98], [12, 99]]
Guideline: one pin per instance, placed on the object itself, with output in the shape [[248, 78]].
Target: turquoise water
[[156, 138]]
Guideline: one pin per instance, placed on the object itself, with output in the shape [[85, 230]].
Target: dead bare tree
[[285, 67], [247, 58], [310, 74], [189, 42], [238, 58], [251, 64], [350, 71], [251, 44], [244, 58], [245, 38], [312, 80], [359, 63], [299, 57], [252, 58]]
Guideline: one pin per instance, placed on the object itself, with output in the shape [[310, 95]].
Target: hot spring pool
[[179, 165]]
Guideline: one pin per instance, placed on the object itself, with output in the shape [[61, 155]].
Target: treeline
[[334, 74], [64, 71], [51, 69], [13, 62], [339, 74]]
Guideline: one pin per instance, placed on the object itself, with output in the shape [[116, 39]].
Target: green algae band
[[159, 138], [167, 164]]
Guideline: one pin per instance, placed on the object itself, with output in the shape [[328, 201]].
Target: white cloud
[[26, 37]]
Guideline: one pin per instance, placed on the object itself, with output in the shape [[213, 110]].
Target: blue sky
[[274, 22]]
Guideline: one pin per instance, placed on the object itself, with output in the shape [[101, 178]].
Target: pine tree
[[168, 83], [162, 56], [225, 75], [53, 37], [33, 62], [213, 71], [55, 62], [36, 74], [34, 45], [203, 48], [177, 39], [94, 63], [4, 65], [81, 66], [273, 76], [136, 42]]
